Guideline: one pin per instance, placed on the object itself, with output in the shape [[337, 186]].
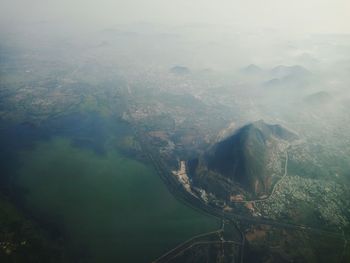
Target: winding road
[[182, 195]]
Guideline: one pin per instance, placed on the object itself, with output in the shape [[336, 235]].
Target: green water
[[113, 208]]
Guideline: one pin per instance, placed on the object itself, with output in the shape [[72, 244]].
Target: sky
[[311, 16]]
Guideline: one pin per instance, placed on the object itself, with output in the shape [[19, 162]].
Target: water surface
[[111, 208]]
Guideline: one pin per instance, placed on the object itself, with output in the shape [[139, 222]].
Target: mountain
[[318, 98], [251, 69], [180, 70], [248, 162], [282, 71], [288, 77]]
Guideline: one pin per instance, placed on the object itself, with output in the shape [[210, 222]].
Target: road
[[188, 244], [183, 196]]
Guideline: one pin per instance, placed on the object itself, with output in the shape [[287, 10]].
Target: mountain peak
[[251, 69], [180, 70], [282, 71], [249, 158]]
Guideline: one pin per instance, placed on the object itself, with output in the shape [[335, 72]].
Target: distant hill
[[180, 70], [282, 71], [252, 158], [288, 77], [251, 69], [318, 98], [273, 83]]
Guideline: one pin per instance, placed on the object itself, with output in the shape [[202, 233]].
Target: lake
[[108, 206]]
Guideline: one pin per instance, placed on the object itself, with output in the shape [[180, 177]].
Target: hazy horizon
[[326, 17]]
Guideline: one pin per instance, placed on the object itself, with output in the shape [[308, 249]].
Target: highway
[[196, 241], [183, 196]]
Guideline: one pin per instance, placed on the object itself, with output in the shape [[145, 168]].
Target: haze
[[312, 16], [117, 118]]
